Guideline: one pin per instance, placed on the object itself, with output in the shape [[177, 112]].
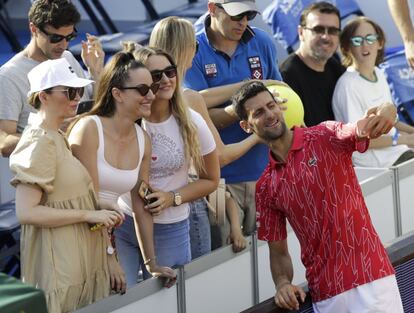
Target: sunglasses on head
[[55, 38], [144, 89], [71, 92], [322, 30], [237, 18], [357, 41], [169, 71]]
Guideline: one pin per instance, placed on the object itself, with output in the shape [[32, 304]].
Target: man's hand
[[287, 296], [377, 121], [387, 110], [93, 55]]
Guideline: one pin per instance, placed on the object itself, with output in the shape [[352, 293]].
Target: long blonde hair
[[180, 111], [176, 36]]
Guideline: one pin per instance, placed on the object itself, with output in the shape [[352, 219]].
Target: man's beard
[[274, 135], [320, 54]]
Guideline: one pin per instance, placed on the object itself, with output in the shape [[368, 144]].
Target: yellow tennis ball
[[294, 113]]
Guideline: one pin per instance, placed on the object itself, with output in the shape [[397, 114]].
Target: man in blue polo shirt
[[231, 51]]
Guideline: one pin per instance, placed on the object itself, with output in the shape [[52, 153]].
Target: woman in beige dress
[[55, 200]]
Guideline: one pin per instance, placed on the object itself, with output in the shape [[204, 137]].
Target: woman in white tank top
[[117, 153]]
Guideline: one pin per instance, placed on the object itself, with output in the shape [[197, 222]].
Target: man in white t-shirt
[[52, 26]]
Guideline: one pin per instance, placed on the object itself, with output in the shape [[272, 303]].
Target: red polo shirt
[[318, 192]]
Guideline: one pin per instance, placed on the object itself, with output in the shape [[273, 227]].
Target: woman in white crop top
[[117, 152], [179, 136]]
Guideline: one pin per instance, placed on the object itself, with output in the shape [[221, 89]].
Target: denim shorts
[[128, 251], [172, 243], [200, 235]]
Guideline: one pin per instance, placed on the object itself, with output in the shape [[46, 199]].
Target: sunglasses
[[71, 92], [322, 30], [169, 71], [144, 89], [357, 41], [55, 38], [237, 18]]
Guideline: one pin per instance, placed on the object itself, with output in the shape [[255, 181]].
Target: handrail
[[154, 285]]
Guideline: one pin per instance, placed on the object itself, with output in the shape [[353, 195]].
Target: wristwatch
[[177, 198]]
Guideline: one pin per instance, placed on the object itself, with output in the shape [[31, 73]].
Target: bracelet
[[147, 261], [395, 138]]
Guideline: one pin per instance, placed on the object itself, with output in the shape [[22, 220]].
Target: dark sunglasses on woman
[[71, 92], [169, 71], [144, 89]]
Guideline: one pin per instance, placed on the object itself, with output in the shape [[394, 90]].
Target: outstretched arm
[[282, 273], [377, 121], [218, 95], [227, 153]]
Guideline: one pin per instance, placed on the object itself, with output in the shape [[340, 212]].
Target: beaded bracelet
[[147, 261]]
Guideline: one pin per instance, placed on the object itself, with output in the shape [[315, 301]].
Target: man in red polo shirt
[[310, 181]]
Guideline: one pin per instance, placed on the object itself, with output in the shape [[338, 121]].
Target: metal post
[[105, 16], [255, 269], [98, 25], [181, 303], [396, 200]]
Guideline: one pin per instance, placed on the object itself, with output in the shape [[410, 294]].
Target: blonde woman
[[176, 36], [179, 137], [55, 199]]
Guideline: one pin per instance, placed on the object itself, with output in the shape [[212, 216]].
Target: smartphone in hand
[[144, 190]]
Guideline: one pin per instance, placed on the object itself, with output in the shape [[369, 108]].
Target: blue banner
[[400, 77]]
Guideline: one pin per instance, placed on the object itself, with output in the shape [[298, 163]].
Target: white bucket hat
[[234, 7], [53, 73]]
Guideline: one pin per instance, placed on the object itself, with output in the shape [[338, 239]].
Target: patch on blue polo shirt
[[211, 70], [256, 69]]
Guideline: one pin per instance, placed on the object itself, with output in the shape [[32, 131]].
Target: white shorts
[[379, 296]]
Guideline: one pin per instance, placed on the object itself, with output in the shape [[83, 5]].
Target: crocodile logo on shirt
[[313, 161]]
